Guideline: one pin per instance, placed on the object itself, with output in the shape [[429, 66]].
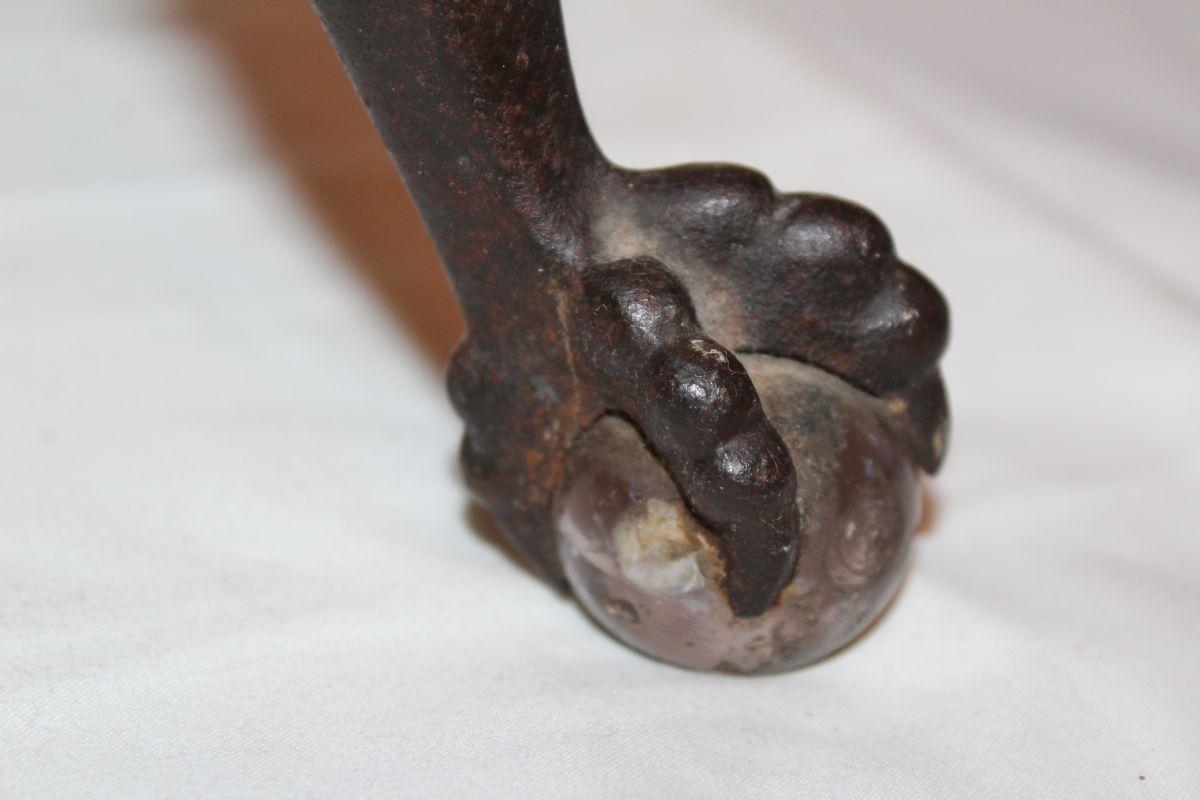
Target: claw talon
[[700, 412]]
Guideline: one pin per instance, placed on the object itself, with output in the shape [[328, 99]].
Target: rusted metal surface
[[591, 289]]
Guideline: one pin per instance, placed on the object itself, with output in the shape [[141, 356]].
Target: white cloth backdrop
[[235, 557]]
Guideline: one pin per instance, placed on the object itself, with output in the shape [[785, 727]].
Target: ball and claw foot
[[746, 381], [806, 279]]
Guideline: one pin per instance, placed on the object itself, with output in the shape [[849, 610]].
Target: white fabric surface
[[235, 557]]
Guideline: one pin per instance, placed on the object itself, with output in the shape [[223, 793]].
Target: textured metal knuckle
[[699, 387], [708, 205], [753, 464], [631, 307], [823, 229]]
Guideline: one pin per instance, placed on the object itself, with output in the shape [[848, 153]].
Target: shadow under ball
[[650, 572]]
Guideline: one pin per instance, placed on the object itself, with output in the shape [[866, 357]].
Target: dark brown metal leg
[[589, 289]]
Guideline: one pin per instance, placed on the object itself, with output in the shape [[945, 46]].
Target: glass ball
[[650, 573]]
